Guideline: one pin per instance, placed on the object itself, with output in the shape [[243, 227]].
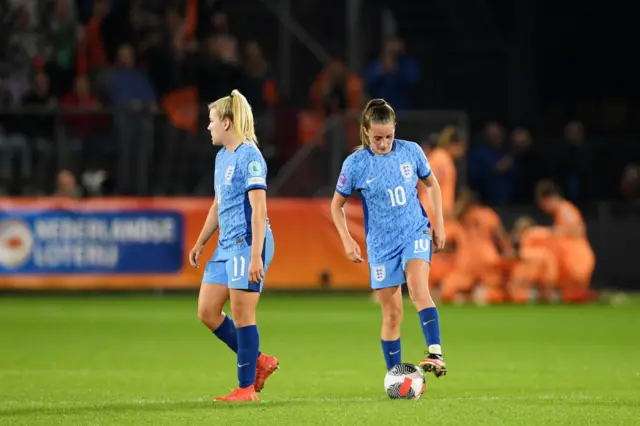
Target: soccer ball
[[404, 381]]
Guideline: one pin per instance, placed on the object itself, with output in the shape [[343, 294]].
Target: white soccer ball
[[405, 381]]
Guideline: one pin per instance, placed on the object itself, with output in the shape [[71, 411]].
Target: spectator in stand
[[67, 186], [259, 86], [336, 90], [134, 98], [92, 55], [490, 166], [61, 30], [258, 83], [41, 127], [573, 168], [219, 69], [394, 75], [528, 168], [83, 129], [220, 24]]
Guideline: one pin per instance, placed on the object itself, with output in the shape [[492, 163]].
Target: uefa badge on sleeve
[[342, 181], [256, 174], [255, 169]]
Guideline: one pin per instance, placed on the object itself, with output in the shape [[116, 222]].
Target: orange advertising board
[[142, 243]]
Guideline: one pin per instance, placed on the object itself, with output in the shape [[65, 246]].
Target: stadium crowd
[[95, 74], [109, 67]]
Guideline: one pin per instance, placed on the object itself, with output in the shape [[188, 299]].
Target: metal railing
[[140, 152]]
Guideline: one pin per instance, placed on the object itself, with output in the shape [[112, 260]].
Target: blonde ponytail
[[242, 117], [236, 108]]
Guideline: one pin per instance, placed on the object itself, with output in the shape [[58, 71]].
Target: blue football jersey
[[388, 187], [237, 173]]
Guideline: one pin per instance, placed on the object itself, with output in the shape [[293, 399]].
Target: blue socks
[[248, 344], [227, 333], [391, 350], [431, 329]]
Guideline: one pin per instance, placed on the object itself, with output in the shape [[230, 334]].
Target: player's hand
[[439, 238], [256, 270], [352, 249], [194, 255]]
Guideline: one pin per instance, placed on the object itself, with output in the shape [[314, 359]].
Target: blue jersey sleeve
[[254, 171], [423, 167], [346, 180]]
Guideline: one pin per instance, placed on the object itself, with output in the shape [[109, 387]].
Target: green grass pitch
[[144, 360]]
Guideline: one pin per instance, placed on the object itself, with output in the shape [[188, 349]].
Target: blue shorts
[[391, 273], [231, 268]]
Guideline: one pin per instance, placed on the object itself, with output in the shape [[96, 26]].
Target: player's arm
[[435, 198], [339, 217], [571, 229], [569, 223], [258, 201], [425, 174], [210, 225], [256, 187], [208, 229], [344, 188]]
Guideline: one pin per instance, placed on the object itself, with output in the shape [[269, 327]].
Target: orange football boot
[[240, 395], [265, 367]]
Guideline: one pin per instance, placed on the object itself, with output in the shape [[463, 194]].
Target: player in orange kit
[[478, 258], [451, 145], [575, 255], [537, 265], [446, 260]]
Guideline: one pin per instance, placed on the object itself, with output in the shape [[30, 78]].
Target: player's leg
[[492, 279], [416, 259], [458, 282], [244, 297], [386, 281], [267, 364], [390, 300], [578, 266], [521, 280], [537, 270], [243, 308], [212, 298]]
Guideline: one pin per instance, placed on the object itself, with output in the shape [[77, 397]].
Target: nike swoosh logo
[[236, 279], [425, 323], [371, 180], [243, 365], [393, 353]]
